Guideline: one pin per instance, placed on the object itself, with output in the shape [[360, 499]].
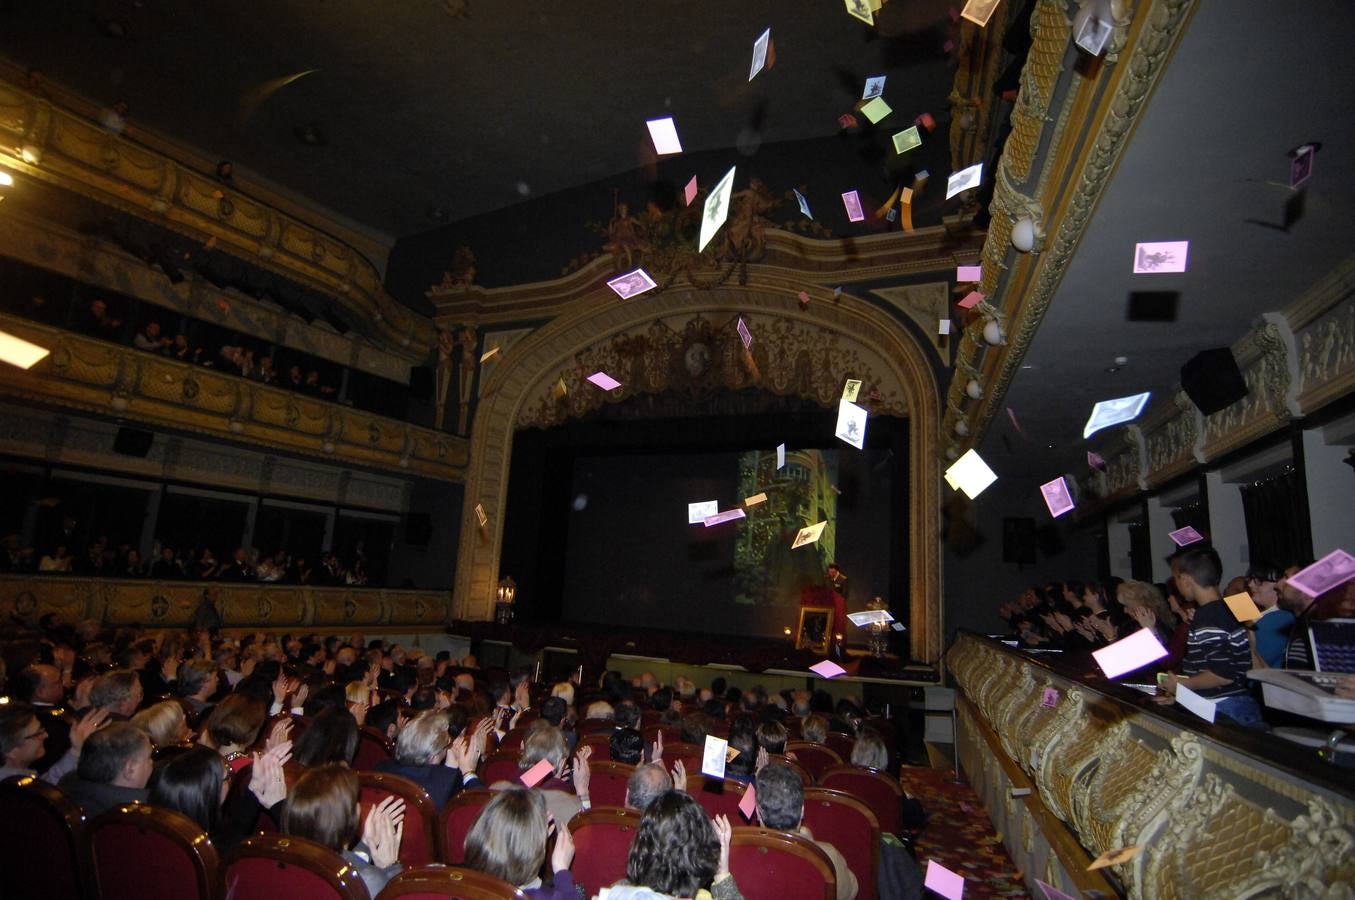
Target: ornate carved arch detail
[[515, 388]]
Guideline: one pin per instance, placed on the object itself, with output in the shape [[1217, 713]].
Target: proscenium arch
[[595, 318]]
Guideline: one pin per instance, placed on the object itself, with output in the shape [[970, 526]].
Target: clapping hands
[[383, 831]]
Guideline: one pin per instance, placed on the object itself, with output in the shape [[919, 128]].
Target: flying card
[[780, 456], [971, 300], [561, 391], [1243, 606], [1160, 256], [754, 500], [875, 86], [488, 355], [536, 773], [1301, 166], [827, 669], [1115, 857], [1337, 567], [907, 139], [804, 204], [899, 626], [1181, 537], [803, 299], [970, 474], [845, 121], [1020, 792], [876, 109], [744, 334], [728, 515], [870, 617], [926, 121], [759, 53], [1115, 412], [852, 201], [968, 273], [851, 424], [943, 326], [1050, 698], [1202, 706], [717, 208], [480, 515], [689, 192], [851, 389], [713, 756], [697, 512], [1096, 461], [942, 880], [979, 11], [632, 283], [861, 10], [1128, 654], [748, 805], [664, 134], [604, 381], [1056, 496], [964, 179], [808, 535]]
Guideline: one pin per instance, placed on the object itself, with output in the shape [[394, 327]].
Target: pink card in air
[[1050, 699], [689, 192], [971, 300], [1134, 652], [827, 669], [1056, 496], [748, 805], [1183, 536], [942, 880], [852, 201], [604, 381], [533, 776]]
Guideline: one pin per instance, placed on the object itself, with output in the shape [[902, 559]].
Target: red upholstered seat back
[[42, 842], [421, 843], [601, 742], [806, 779], [849, 825], [512, 740], [778, 865], [840, 743], [502, 766], [458, 815], [876, 789], [815, 758], [607, 784], [595, 726], [602, 839], [272, 866], [718, 797], [441, 882], [142, 852], [373, 747]]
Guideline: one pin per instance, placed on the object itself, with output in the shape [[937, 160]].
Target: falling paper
[[1056, 496], [1115, 857], [1202, 706], [846, 121], [1160, 256], [480, 515], [851, 389], [926, 121], [1127, 654], [604, 381], [907, 139], [744, 334], [943, 326], [728, 515], [1020, 792], [18, 352], [1243, 606], [964, 179], [899, 626], [1183, 536], [713, 756], [1050, 698], [698, 512], [852, 201], [971, 300], [560, 390], [861, 10], [1301, 167], [804, 204], [968, 273], [804, 299], [1115, 412], [748, 805], [780, 456], [541, 770], [808, 535], [755, 500], [632, 283], [970, 474], [876, 109], [870, 617], [979, 11], [827, 669], [1337, 567], [875, 86], [689, 192], [851, 424], [1096, 461], [942, 880], [759, 53], [664, 134], [488, 355], [717, 209]]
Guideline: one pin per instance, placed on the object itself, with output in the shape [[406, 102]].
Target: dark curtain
[[1140, 551], [1278, 530], [1194, 514]]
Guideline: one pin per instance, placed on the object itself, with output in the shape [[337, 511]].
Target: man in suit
[[40, 685]]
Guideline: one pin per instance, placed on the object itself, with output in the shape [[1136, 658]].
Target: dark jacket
[[96, 798], [441, 783]]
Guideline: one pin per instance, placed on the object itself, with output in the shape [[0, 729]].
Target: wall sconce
[[992, 333], [961, 427], [1023, 234], [504, 596], [973, 390]]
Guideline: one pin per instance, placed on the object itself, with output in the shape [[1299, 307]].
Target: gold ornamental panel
[[343, 607]]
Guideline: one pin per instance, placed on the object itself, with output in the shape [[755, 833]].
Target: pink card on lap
[[533, 776]]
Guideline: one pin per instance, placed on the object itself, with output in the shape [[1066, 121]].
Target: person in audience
[[197, 683], [424, 755], [150, 339], [508, 841], [869, 750], [781, 805], [678, 852], [563, 798], [167, 566], [771, 736], [120, 692], [331, 738], [238, 569], [627, 746], [42, 685], [814, 728], [23, 738], [98, 322], [164, 723], [59, 560], [1270, 633], [651, 780], [206, 616], [114, 765], [323, 807], [233, 727], [1147, 607], [196, 784], [1218, 651]]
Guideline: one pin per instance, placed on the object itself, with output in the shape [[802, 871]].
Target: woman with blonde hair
[[323, 807], [1146, 606], [165, 724], [508, 841]]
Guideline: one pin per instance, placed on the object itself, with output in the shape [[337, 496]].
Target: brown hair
[[323, 807], [1141, 593], [547, 742], [508, 840], [236, 720], [814, 728]]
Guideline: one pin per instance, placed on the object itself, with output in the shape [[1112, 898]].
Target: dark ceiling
[[426, 110]]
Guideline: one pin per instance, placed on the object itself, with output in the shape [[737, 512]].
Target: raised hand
[[87, 726], [679, 777], [383, 830], [582, 774], [563, 854], [279, 734], [762, 759], [725, 833], [457, 752], [359, 711], [280, 688], [522, 696], [266, 781], [656, 754]]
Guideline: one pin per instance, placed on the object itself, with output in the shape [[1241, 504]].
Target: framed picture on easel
[[815, 631]]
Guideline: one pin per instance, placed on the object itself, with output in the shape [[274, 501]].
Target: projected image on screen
[[802, 493]]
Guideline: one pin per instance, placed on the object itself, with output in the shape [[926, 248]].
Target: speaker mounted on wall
[[1212, 380], [133, 442]]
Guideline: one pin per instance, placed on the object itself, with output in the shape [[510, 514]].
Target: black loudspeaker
[[421, 383], [418, 529], [1212, 380], [133, 442]]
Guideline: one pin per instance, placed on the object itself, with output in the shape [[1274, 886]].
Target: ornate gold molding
[[47, 142], [170, 604], [106, 379], [536, 361]]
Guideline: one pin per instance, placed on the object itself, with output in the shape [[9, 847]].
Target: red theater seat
[[438, 882], [43, 849], [878, 790], [778, 865], [422, 842], [270, 866], [373, 747], [814, 758], [607, 782], [458, 815], [602, 839], [848, 824], [143, 852]]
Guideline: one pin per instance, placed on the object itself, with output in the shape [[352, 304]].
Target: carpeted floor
[[960, 836]]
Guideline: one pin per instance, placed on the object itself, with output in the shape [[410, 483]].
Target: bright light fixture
[[6, 179], [19, 352]]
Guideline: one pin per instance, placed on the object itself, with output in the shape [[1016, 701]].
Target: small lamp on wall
[[504, 596]]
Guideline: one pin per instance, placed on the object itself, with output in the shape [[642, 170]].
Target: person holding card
[[1269, 633], [678, 852], [508, 841], [1218, 651]]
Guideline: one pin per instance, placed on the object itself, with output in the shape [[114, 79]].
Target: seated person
[[323, 807], [869, 751], [331, 738], [508, 841], [165, 724], [781, 805], [650, 781], [233, 727], [23, 740], [197, 682], [119, 692], [627, 746], [677, 852], [424, 756], [115, 763], [772, 737], [545, 741], [1269, 633], [196, 784]]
